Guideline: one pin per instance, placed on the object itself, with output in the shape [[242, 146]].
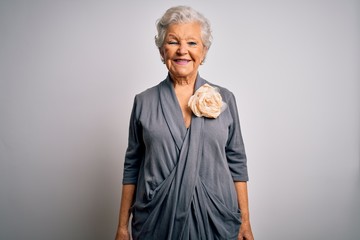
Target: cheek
[[165, 53], [200, 55]]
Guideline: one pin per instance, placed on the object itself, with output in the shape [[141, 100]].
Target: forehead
[[184, 30]]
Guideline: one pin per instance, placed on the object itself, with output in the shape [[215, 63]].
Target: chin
[[182, 73]]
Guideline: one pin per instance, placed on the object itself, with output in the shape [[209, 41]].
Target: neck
[[183, 81]]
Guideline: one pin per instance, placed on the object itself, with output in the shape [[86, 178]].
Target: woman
[[185, 167]]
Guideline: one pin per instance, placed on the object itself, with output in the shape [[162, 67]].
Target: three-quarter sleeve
[[135, 150], [235, 150]]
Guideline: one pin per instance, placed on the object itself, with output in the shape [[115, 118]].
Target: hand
[[123, 234], [245, 232]]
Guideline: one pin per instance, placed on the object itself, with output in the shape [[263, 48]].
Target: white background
[[69, 71]]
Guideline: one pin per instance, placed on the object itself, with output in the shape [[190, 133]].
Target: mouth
[[182, 61]]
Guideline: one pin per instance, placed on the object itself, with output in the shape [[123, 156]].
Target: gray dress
[[184, 177]]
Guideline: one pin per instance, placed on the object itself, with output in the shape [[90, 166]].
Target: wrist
[[245, 216], [123, 228], [122, 231]]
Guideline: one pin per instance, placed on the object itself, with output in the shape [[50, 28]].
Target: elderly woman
[[185, 167]]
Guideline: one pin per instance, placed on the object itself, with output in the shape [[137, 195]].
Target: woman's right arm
[[133, 158], [127, 199]]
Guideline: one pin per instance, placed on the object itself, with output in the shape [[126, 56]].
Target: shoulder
[[226, 94], [147, 100], [150, 95], [147, 94]]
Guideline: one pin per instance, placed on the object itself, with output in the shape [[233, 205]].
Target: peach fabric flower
[[207, 102]]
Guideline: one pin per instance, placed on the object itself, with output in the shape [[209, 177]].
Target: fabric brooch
[[207, 102]]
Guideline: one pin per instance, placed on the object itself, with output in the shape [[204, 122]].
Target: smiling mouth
[[182, 61]]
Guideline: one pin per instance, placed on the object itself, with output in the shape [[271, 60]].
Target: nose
[[182, 50]]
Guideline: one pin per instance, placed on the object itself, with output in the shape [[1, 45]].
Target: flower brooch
[[207, 102]]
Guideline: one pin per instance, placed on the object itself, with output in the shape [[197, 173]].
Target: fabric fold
[[182, 205]]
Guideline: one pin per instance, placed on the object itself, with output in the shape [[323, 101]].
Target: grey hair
[[182, 14]]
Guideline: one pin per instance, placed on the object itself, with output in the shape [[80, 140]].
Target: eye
[[192, 43], [172, 42]]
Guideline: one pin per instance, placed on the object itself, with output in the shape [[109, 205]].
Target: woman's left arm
[[245, 232]]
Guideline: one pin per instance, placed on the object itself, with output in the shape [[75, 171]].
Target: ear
[[162, 54], [204, 54]]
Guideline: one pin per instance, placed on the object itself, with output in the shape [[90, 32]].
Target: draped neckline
[[172, 110]]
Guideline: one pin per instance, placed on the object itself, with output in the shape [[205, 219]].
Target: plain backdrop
[[69, 71]]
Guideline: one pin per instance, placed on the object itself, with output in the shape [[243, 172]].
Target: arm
[[132, 164], [235, 153], [127, 198], [245, 232]]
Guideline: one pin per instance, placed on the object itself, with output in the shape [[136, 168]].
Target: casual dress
[[184, 176]]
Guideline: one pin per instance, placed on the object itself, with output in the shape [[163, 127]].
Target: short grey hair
[[182, 14]]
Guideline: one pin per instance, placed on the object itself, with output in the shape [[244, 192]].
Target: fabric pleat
[[183, 206]]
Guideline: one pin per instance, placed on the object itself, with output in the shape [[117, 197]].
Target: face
[[183, 50]]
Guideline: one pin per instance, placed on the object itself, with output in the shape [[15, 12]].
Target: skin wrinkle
[[183, 42], [183, 52]]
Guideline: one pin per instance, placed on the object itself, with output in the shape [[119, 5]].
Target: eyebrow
[[171, 35], [187, 39]]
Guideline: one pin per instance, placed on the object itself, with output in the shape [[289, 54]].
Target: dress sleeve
[[235, 150], [135, 150]]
